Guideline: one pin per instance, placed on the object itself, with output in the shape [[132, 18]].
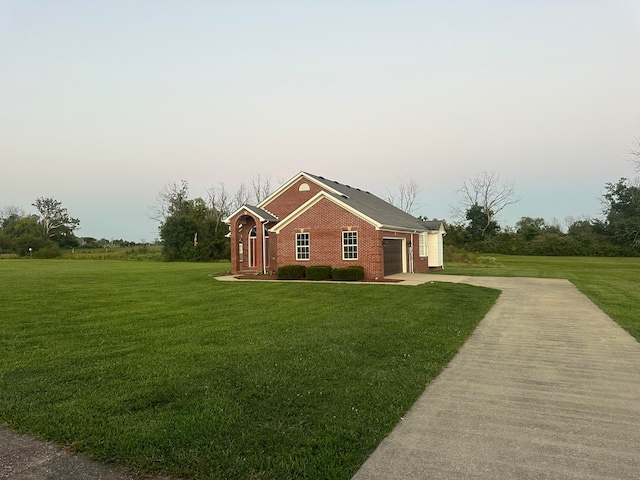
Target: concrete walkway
[[547, 387]]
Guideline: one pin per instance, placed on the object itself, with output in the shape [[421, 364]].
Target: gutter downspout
[[264, 253], [411, 255]]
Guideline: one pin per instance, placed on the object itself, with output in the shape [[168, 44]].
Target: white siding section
[[434, 244]]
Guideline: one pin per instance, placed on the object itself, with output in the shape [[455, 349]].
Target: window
[[349, 245], [302, 246], [423, 244], [252, 247]]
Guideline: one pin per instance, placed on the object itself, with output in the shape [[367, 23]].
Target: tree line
[[616, 234], [42, 234], [193, 229]]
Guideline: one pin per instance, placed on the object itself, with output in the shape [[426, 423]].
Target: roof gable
[[313, 201], [285, 186]]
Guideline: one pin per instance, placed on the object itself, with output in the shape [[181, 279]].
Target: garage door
[[392, 251]]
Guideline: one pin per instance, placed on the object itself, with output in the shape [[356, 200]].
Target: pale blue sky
[[101, 102]]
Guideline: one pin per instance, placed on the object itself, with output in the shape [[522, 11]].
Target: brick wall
[[325, 223], [292, 198], [420, 264]]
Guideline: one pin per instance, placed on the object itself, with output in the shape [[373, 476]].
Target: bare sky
[[101, 103]]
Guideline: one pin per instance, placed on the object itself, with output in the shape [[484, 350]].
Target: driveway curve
[[547, 387]]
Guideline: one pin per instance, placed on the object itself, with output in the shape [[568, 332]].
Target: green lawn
[[611, 283], [160, 367]]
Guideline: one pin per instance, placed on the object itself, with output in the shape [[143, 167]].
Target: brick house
[[310, 220]]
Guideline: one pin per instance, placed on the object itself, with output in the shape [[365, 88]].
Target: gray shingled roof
[[375, 208], [433, 225]]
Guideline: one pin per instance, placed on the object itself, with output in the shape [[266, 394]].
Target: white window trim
[[303, 247], [350, 245], [424, 244]]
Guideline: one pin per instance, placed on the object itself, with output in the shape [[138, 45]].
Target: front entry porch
[[248, 231]]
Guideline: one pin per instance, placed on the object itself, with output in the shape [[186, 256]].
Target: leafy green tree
[[588, 238], [457, 235], [582, 228], [212, 240], [529, 228], [23, 234], [481, 223], [55, 222], [178, 234], [6, 220], [192, 231], [622, 212]]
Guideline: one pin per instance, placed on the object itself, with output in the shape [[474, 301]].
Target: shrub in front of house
[[349, 274], [291, 272], [318, 272]]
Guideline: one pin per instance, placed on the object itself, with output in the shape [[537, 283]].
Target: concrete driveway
[[547, 387]]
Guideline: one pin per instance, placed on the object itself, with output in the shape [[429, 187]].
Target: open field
[[138, 252], [611, 283], [159, 367]]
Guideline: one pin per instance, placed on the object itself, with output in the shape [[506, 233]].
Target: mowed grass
[[163, 369], [611, 283]]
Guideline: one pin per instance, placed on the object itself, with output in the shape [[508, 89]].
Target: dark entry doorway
[[392, 252]]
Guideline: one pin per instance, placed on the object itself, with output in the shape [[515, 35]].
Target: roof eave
[[253, 212], [402, 229]]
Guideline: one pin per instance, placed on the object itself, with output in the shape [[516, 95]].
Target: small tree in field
[[484, 198], [55, 222]]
